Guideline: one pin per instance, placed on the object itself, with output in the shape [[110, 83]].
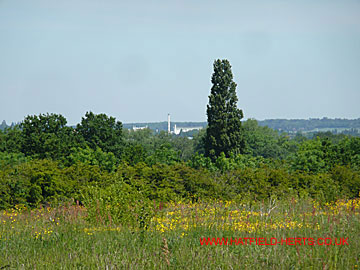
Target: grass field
[[62, 238]]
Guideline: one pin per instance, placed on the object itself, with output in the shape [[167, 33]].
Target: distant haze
[[139, 60]]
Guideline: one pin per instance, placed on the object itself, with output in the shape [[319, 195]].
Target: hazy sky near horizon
[[139, 60]]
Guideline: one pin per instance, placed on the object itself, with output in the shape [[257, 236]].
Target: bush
[[117, 203], [33, 183], [11, 159], [106, 161], [347, 180], [158, 182], [39, 182]]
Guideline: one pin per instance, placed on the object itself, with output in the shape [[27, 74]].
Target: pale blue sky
[[139, 60]]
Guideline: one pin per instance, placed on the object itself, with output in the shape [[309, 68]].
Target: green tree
[[10, 139], [199, 141], [134, 153], [310, 157], [46, 136], [184, 145], [106, 161], [11, 159], [164, 154], [2, 141], [266, 142], [224, 132], [99, 130]]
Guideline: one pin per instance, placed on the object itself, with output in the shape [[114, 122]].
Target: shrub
[[11, 159], [33, 183], [347, 180], [117, 203], [106, 161]]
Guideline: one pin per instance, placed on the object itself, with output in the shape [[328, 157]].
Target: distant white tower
[[169, 123]]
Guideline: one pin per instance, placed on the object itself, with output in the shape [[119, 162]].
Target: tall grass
[[62, 238]]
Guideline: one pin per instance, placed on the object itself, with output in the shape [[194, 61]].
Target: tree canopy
[[223, 133], [46, 136], [102, 131]]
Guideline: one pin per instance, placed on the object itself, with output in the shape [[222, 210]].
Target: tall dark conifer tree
[[223, 133]]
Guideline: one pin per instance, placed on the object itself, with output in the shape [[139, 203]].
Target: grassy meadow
[[63, 237]]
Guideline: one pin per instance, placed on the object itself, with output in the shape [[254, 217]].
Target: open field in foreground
[[325, 237]]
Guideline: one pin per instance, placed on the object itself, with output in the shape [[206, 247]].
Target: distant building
[[135, 128], [176, 130], [184, 129]]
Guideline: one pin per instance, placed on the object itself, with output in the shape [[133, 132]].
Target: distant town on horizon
[[291, 126]]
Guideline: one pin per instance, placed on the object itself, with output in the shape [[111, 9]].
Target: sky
[[140, 60]]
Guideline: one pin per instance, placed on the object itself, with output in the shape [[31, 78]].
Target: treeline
[[294, 125], [338, 126], [99, 163]]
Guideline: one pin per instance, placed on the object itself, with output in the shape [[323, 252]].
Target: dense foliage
[[224, 133], [45, 161], [118, 172]]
